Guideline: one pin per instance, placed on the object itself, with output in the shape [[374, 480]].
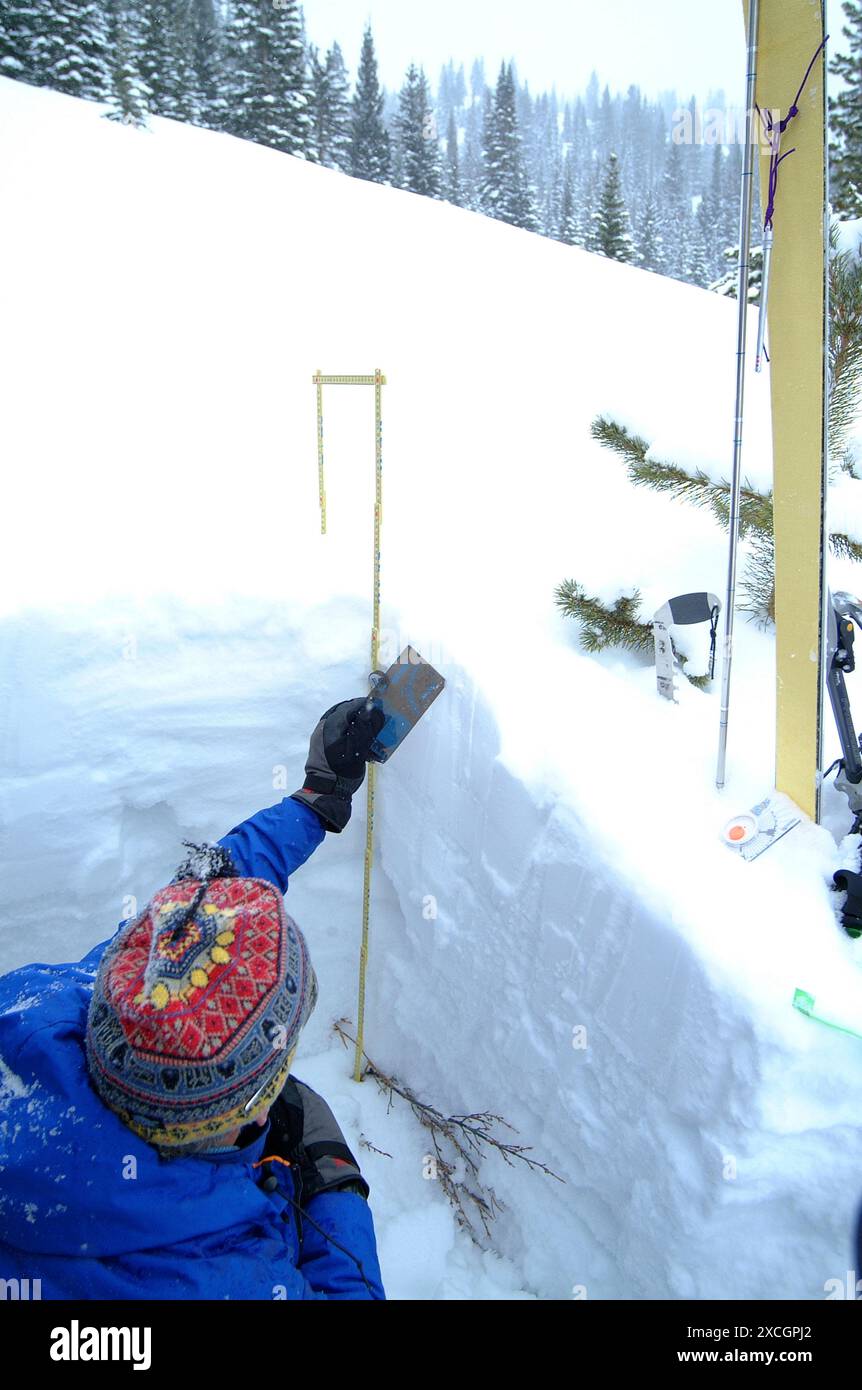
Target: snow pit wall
[[546, 992]]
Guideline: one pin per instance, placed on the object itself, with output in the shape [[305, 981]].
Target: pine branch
[[848, 463], [615, 626], [845, 547], [845, 345], [758, 580], [756, 515], [755, 510], [613, 435]]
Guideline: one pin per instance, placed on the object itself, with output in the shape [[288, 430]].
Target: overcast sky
[[692, 46]]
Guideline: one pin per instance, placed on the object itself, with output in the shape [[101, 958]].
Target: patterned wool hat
[[196, 1010]]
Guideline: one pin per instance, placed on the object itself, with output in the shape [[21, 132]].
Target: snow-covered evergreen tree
[[319, 104], [580, 153], [728, 283], [649, 243], [207, 61], [270, 97], [613, 234], [607, 131], [567, 225], [451, 93], [524, 110], [129, 93], [544, 157], [506, 193], [592, 97], [452, 180], [845, 110], [21, 23], [568, 124], [331, 115], [727, 238], [459, 90], [552, 202], [472, 164], [370, 150], [587, 205], [675, 204], [416, 134], [338, 83], [697, 267], [71, 48], [710, 216], [165, 62], [293, 94], [635, 151]]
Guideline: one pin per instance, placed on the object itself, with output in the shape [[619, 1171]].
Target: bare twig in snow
[[469, 1139]]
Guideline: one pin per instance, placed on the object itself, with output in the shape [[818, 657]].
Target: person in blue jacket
[[153, 1141]]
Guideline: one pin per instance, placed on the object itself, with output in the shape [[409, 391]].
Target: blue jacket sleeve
[[349, 1269], [274, 843]]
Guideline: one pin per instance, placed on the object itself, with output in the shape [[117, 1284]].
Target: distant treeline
[[615, 173]]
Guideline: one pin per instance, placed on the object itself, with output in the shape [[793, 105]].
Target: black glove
[[304, 1130], [851, 912], [340, 747]]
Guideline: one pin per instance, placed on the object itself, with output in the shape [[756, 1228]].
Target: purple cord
[[775, 133]]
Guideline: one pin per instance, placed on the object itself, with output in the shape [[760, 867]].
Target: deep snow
[[174, 624]]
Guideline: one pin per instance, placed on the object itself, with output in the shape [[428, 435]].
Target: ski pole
[[741, 332]]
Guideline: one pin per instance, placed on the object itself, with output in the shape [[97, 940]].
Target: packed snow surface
[[558, 934]]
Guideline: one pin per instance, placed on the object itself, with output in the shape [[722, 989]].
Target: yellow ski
[[794, 209]]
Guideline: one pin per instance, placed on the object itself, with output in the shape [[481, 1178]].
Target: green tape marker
[[805, 1004]]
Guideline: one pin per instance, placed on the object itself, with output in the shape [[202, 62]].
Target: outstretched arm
[[274, 843]]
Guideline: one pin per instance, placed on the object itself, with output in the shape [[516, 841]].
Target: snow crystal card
[[761, 827]]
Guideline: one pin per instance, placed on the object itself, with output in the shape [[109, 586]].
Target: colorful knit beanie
[[196, 1010]]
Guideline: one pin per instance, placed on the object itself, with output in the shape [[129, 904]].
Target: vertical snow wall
[[546, 991]]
